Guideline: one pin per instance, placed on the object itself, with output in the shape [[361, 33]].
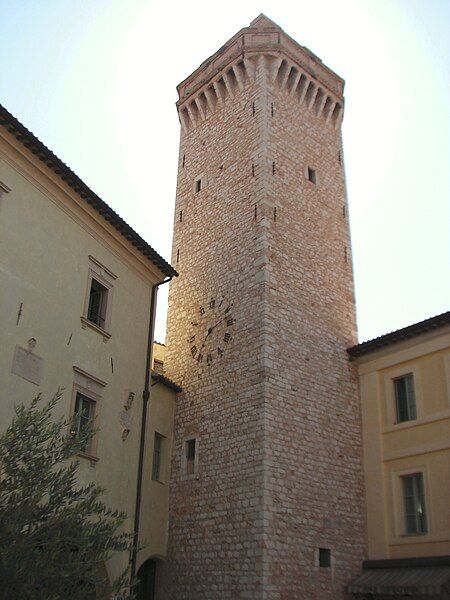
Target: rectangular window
[[83, 418], [404, 398], [414, 502], [157, 448], [324, 557], [190, 457], [98, 298], [198, 185], [312, 175]]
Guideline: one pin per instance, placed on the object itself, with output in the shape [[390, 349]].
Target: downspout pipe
[[145, 400]]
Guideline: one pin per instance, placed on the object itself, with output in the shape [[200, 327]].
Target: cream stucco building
[[77, 285], [405, 401]]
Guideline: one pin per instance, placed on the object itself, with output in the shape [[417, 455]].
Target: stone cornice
[[262, 37], [291, 67]]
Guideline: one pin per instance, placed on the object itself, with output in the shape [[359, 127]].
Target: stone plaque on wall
[[27, 365]]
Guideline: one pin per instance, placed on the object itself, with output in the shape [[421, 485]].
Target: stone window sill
[[86, 323], [90, 457], [420, 420]]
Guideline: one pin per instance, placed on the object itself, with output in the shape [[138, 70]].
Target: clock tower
[[266, 494]]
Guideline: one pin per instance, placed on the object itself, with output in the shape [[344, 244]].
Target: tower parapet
[[291, 66]]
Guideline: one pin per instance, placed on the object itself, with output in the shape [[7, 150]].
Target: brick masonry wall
[[216, 517], [312, 420], [276, 416]]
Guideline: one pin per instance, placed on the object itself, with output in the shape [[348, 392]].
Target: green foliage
[[54, 535]]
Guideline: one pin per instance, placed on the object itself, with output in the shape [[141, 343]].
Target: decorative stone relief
[[125, 415]]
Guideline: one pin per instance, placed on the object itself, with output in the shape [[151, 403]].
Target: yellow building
[[154, 512], [405, 400], [78, 293]]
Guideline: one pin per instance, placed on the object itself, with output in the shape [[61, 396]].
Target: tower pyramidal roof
[[263, 21]]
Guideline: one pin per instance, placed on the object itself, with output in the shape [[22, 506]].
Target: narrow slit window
[[198, 185], [190, 456], [312, 175], [325, 557]]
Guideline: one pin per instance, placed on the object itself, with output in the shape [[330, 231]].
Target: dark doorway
[[147, 578]]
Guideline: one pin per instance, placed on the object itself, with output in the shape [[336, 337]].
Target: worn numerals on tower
[[212, 330]]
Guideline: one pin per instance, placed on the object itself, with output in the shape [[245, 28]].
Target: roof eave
[[399, 336], [32, 143]]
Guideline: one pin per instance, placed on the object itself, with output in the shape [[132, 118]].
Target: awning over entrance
[[413, 577], [395, 582]]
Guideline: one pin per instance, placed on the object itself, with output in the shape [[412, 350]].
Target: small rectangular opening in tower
[[325, 557], [312, 175], [198, 185], [190, 456]]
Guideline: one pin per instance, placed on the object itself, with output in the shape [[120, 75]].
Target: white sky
[[95, 81]]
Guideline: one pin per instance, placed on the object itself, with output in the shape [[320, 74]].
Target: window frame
[[410, 398], [326, 546], [157, 452], [106, 278], [200, 180], [398, 524], [91, 387], [324, 558], [99, 318], [76, 428], [389, 404], [184, 459], [311, 175], [419, 500]]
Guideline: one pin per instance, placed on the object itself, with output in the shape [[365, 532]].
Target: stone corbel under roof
[[291, 67]]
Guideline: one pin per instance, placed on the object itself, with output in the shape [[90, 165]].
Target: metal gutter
[[145, 401]]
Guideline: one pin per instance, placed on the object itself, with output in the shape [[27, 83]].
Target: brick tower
[[266, 490]]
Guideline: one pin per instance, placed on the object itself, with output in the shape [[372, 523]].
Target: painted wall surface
[[422, 445], [47, 234], [155, 498]]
